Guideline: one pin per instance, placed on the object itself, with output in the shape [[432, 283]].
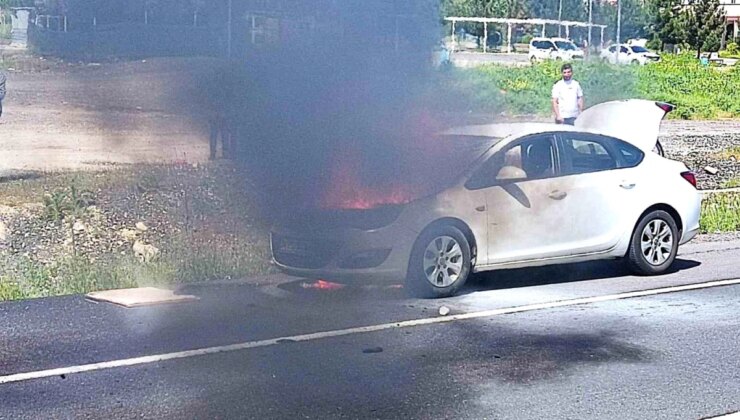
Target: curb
[[719, 191]]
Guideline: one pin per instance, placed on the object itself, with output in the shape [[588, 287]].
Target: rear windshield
[[639, 49]]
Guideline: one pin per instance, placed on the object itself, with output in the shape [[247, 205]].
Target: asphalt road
[[670, 355]]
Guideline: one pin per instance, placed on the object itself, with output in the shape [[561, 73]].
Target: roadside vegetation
[[144, 225], [699, 92], [721, 213]]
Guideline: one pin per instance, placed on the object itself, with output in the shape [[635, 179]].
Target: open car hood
[[635, 121]]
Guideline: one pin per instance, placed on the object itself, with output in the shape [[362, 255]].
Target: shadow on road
[[556, 274], [313, 289]]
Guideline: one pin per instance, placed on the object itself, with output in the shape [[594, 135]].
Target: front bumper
[[344, 255]]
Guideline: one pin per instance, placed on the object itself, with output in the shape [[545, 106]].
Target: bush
[[720, 213], [732, 49], [698, 92]]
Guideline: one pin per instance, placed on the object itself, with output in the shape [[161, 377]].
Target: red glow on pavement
[[322, 285]]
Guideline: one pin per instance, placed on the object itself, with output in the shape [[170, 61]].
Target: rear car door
[[600, 178]]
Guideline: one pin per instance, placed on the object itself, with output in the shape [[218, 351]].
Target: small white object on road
[[711, 170], [444, 311], [142, 296]]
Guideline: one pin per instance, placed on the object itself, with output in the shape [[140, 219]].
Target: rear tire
[[440, 263], [654, 244], [659, 149]]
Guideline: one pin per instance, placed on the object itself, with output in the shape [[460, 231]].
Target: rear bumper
[[691, 214]]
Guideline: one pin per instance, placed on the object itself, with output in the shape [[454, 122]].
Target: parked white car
[[529, 194], [541, 49], [629, 54]]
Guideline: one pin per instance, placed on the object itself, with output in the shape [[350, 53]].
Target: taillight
[[689, 176], [666, 107]]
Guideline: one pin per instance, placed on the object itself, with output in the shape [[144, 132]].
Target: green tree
[[705, 21], [667, 23]]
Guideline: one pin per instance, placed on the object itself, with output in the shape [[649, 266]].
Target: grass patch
[[699, 92], [5, 30], [203, 220], [731, 153], [720, 213], [731, 183]]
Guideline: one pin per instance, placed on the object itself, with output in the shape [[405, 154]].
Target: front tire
[[654, 244], [440, 263]]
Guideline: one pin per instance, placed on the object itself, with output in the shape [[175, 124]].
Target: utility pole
[[619, 29], [560, 18], [228, 31], [590, 20]]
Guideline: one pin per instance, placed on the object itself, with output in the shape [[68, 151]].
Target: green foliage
[[732, 49], [704, 21], [667, 21], [720, 213], [65, 203], [9, 290], [698, 92], [731, 183], [5, 30]]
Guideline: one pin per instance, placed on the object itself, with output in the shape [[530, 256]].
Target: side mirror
[[511, 173]]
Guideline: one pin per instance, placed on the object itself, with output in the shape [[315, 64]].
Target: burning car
[[530, 194]]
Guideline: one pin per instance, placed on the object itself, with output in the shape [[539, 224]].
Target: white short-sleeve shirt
[[567, 94]]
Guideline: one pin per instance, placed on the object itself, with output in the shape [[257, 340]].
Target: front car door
[[524, 200]]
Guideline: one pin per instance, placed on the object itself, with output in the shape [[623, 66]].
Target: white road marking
[[20, 377], [733, 416]]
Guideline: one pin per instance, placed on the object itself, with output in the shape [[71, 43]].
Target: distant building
[[732, 12]]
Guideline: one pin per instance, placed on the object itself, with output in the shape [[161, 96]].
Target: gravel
[[700, 151]]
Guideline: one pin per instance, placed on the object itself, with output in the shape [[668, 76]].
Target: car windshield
[[638, 49], [565, 45]]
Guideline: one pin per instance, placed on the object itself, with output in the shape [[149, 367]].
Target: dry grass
[[203, 219]]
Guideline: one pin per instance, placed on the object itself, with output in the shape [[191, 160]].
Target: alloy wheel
[[656, 242], [443, 261]]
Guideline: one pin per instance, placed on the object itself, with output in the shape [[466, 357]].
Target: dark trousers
[[569, 121]]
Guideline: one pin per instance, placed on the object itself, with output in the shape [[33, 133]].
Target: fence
[[127, 40]]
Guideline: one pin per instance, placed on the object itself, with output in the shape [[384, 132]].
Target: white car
[[541, 49], [629, 54], [530, 194]]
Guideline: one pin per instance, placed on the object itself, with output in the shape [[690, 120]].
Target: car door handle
[[480, 208], [557, 195], [627, 185]]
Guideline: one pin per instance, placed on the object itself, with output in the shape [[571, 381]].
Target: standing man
[[567, 98], [2, 91]]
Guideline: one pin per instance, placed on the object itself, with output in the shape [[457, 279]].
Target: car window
[[547, 45], [623, 49], [529, 159], [583, 154], [564, 45], [639, 49], [631, 155], [612, 49]]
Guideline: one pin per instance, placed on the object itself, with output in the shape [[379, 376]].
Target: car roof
[[503, 130], [550, 39]]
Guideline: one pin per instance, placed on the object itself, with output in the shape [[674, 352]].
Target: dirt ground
[[82, 116], [61, 115]]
